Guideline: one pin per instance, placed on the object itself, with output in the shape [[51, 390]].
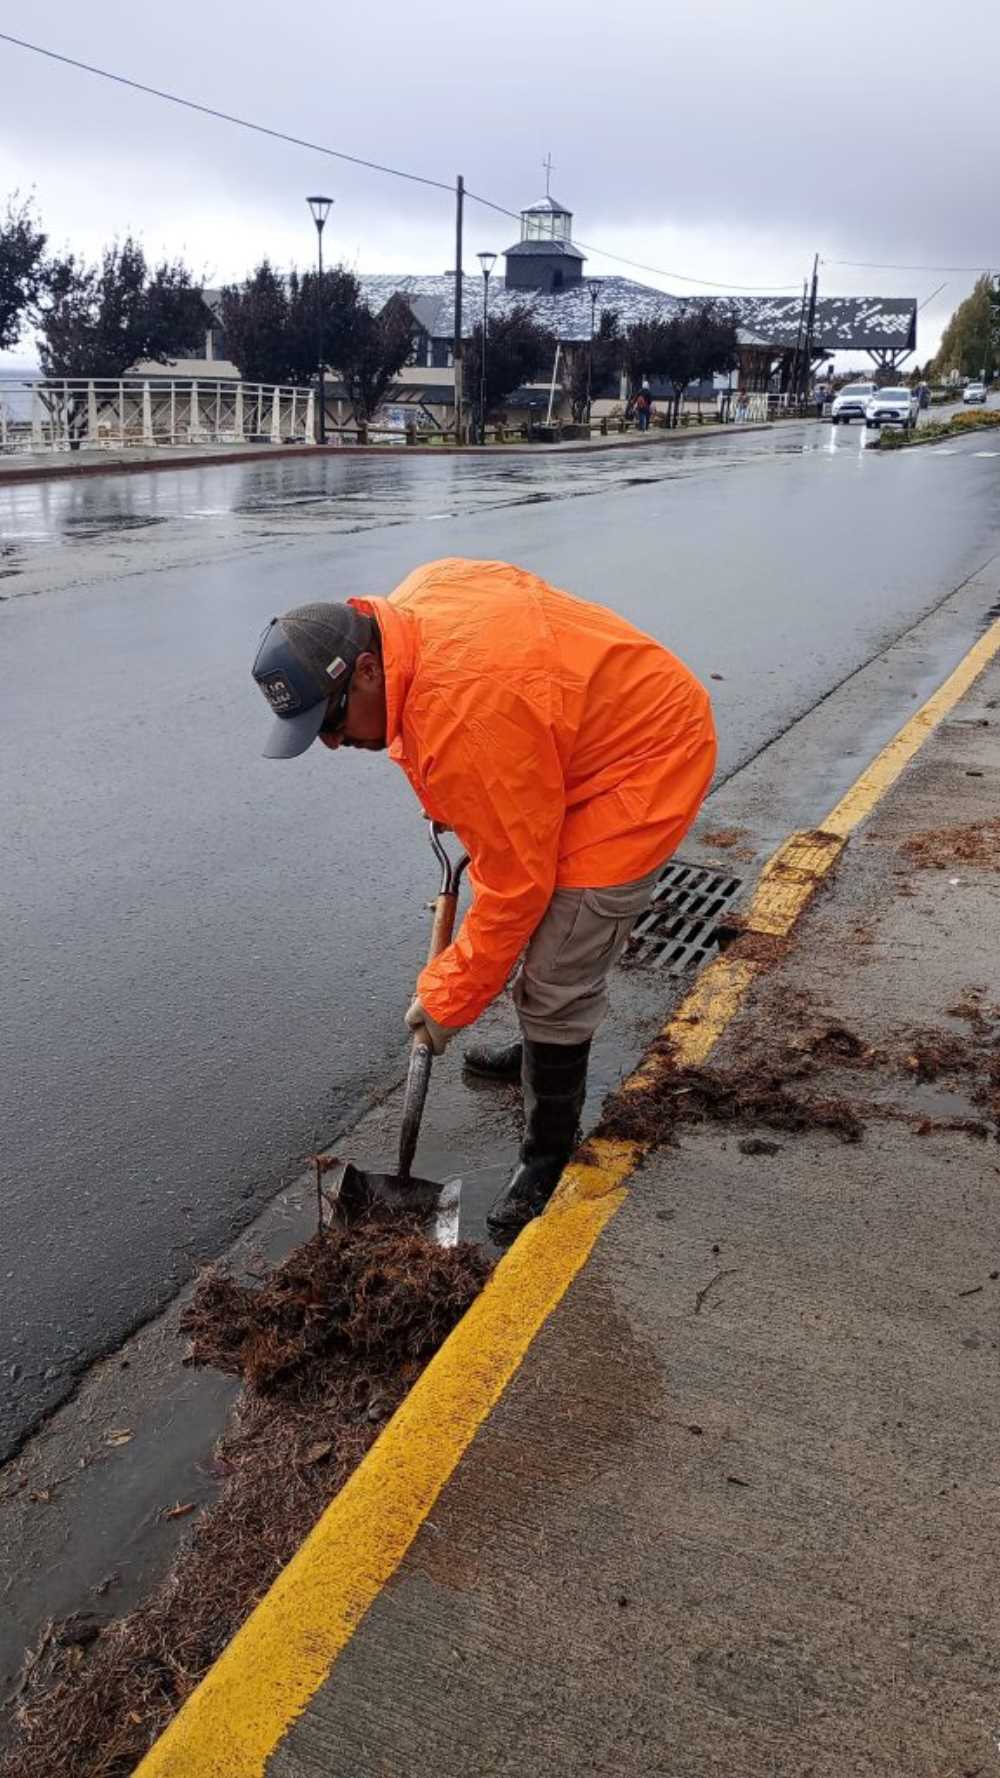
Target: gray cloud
[[726, 139]]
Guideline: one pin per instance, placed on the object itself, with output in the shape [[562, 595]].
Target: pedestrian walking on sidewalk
[[568, 752]]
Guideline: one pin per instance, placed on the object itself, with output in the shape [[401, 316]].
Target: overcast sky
[[723, 139]]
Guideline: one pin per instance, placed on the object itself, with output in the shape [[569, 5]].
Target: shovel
[[357, 1190]]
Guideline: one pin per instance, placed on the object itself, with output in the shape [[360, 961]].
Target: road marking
[[986, 453], [234, 1720], [284, 1651], [872, 785]]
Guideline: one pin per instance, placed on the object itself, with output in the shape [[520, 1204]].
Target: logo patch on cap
[[337, 666], [278, 691]]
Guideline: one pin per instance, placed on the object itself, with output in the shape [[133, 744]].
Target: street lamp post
[[487, 261], [320, 208], [595, 291]]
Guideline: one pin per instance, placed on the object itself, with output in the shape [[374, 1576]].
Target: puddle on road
[[81, 529], [11, 560], [342, 495]]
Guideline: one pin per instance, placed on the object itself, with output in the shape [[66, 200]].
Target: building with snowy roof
[[544, 272]]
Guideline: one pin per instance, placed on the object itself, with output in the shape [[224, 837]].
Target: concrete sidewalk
[[733, 1509], [48, 466]]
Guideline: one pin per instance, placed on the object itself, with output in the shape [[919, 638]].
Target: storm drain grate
[[680, 931]]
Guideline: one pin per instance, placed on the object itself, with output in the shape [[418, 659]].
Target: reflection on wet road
[[218, 509], [207, 955]]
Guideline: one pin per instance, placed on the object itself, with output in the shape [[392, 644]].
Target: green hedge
[[974, 419]]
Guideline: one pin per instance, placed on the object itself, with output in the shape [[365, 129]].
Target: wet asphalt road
[[206, 955]]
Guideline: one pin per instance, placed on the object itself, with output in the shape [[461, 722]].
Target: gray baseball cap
[[304, 660]]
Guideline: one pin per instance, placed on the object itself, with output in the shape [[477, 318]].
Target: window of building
[[543, 225]]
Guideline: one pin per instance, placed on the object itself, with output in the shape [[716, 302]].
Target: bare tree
[[590, 379]]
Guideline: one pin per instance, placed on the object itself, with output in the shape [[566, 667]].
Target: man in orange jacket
[[568, 752]]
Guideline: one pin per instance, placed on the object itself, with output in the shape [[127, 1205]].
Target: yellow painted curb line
[[881, 775], [287, 1646], [265, 1678]]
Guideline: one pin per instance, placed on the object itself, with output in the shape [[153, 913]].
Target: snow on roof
[[842, 322]]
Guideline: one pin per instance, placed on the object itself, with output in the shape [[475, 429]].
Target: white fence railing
[[110, 413]]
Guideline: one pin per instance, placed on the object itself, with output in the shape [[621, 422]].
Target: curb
[[943, 438], [264, 1679], [211, 459]]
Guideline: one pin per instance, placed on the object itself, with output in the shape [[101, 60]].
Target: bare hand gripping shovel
[[358, 1190]]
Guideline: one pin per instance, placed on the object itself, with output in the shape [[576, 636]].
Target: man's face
[[363, 722]]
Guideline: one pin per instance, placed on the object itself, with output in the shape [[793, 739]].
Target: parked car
[[975, 393], [892, 407], [850, 403]]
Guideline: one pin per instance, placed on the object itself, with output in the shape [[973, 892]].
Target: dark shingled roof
[[843, 323], [524, 249]]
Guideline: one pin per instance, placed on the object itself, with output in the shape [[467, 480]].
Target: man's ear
[[368, 669]]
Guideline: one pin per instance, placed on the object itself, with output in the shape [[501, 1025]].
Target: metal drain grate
[[680, 930]]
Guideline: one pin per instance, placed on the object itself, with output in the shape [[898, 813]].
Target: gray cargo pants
[[561, 990]]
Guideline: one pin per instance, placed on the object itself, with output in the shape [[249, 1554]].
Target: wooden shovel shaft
[[441, 930], [421, 1055]]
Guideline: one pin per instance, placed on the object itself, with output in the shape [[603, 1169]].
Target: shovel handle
[[443, 925], [421, 1055], [442, 928], [445, 909]]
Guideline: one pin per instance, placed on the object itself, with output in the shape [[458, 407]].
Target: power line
[[658, 271], [356, 160], [874, 265], [930, 299], [224, 116]]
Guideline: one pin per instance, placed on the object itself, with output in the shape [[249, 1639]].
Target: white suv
[[850, 403], [892, 407]]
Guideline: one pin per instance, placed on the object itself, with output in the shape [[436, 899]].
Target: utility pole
[[992, 327], [595, 291], [810, 328], [456, 349], [795, 378], [487, 261]]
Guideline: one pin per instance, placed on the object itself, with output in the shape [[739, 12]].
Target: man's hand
[[440, 1035]]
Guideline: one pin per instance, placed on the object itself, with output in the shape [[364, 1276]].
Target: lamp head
[[320, 208]]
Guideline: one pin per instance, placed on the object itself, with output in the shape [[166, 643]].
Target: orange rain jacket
[[563, 747]]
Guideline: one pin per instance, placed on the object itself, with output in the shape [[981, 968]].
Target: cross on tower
[[547, 164]]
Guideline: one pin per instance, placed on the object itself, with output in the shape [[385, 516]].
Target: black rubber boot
[[501, 1061], [555, 1086]]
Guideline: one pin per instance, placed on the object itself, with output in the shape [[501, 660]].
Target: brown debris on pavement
[[724, 837], [379, 1291], [748, 946], [748, 1095], [328, 1343], [934, 1053], [937, 848], [776, 1084]]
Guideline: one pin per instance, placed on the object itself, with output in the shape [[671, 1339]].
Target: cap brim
[[291, 735]]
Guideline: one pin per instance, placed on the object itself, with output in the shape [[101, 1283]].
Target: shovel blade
[[438, 1206]]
